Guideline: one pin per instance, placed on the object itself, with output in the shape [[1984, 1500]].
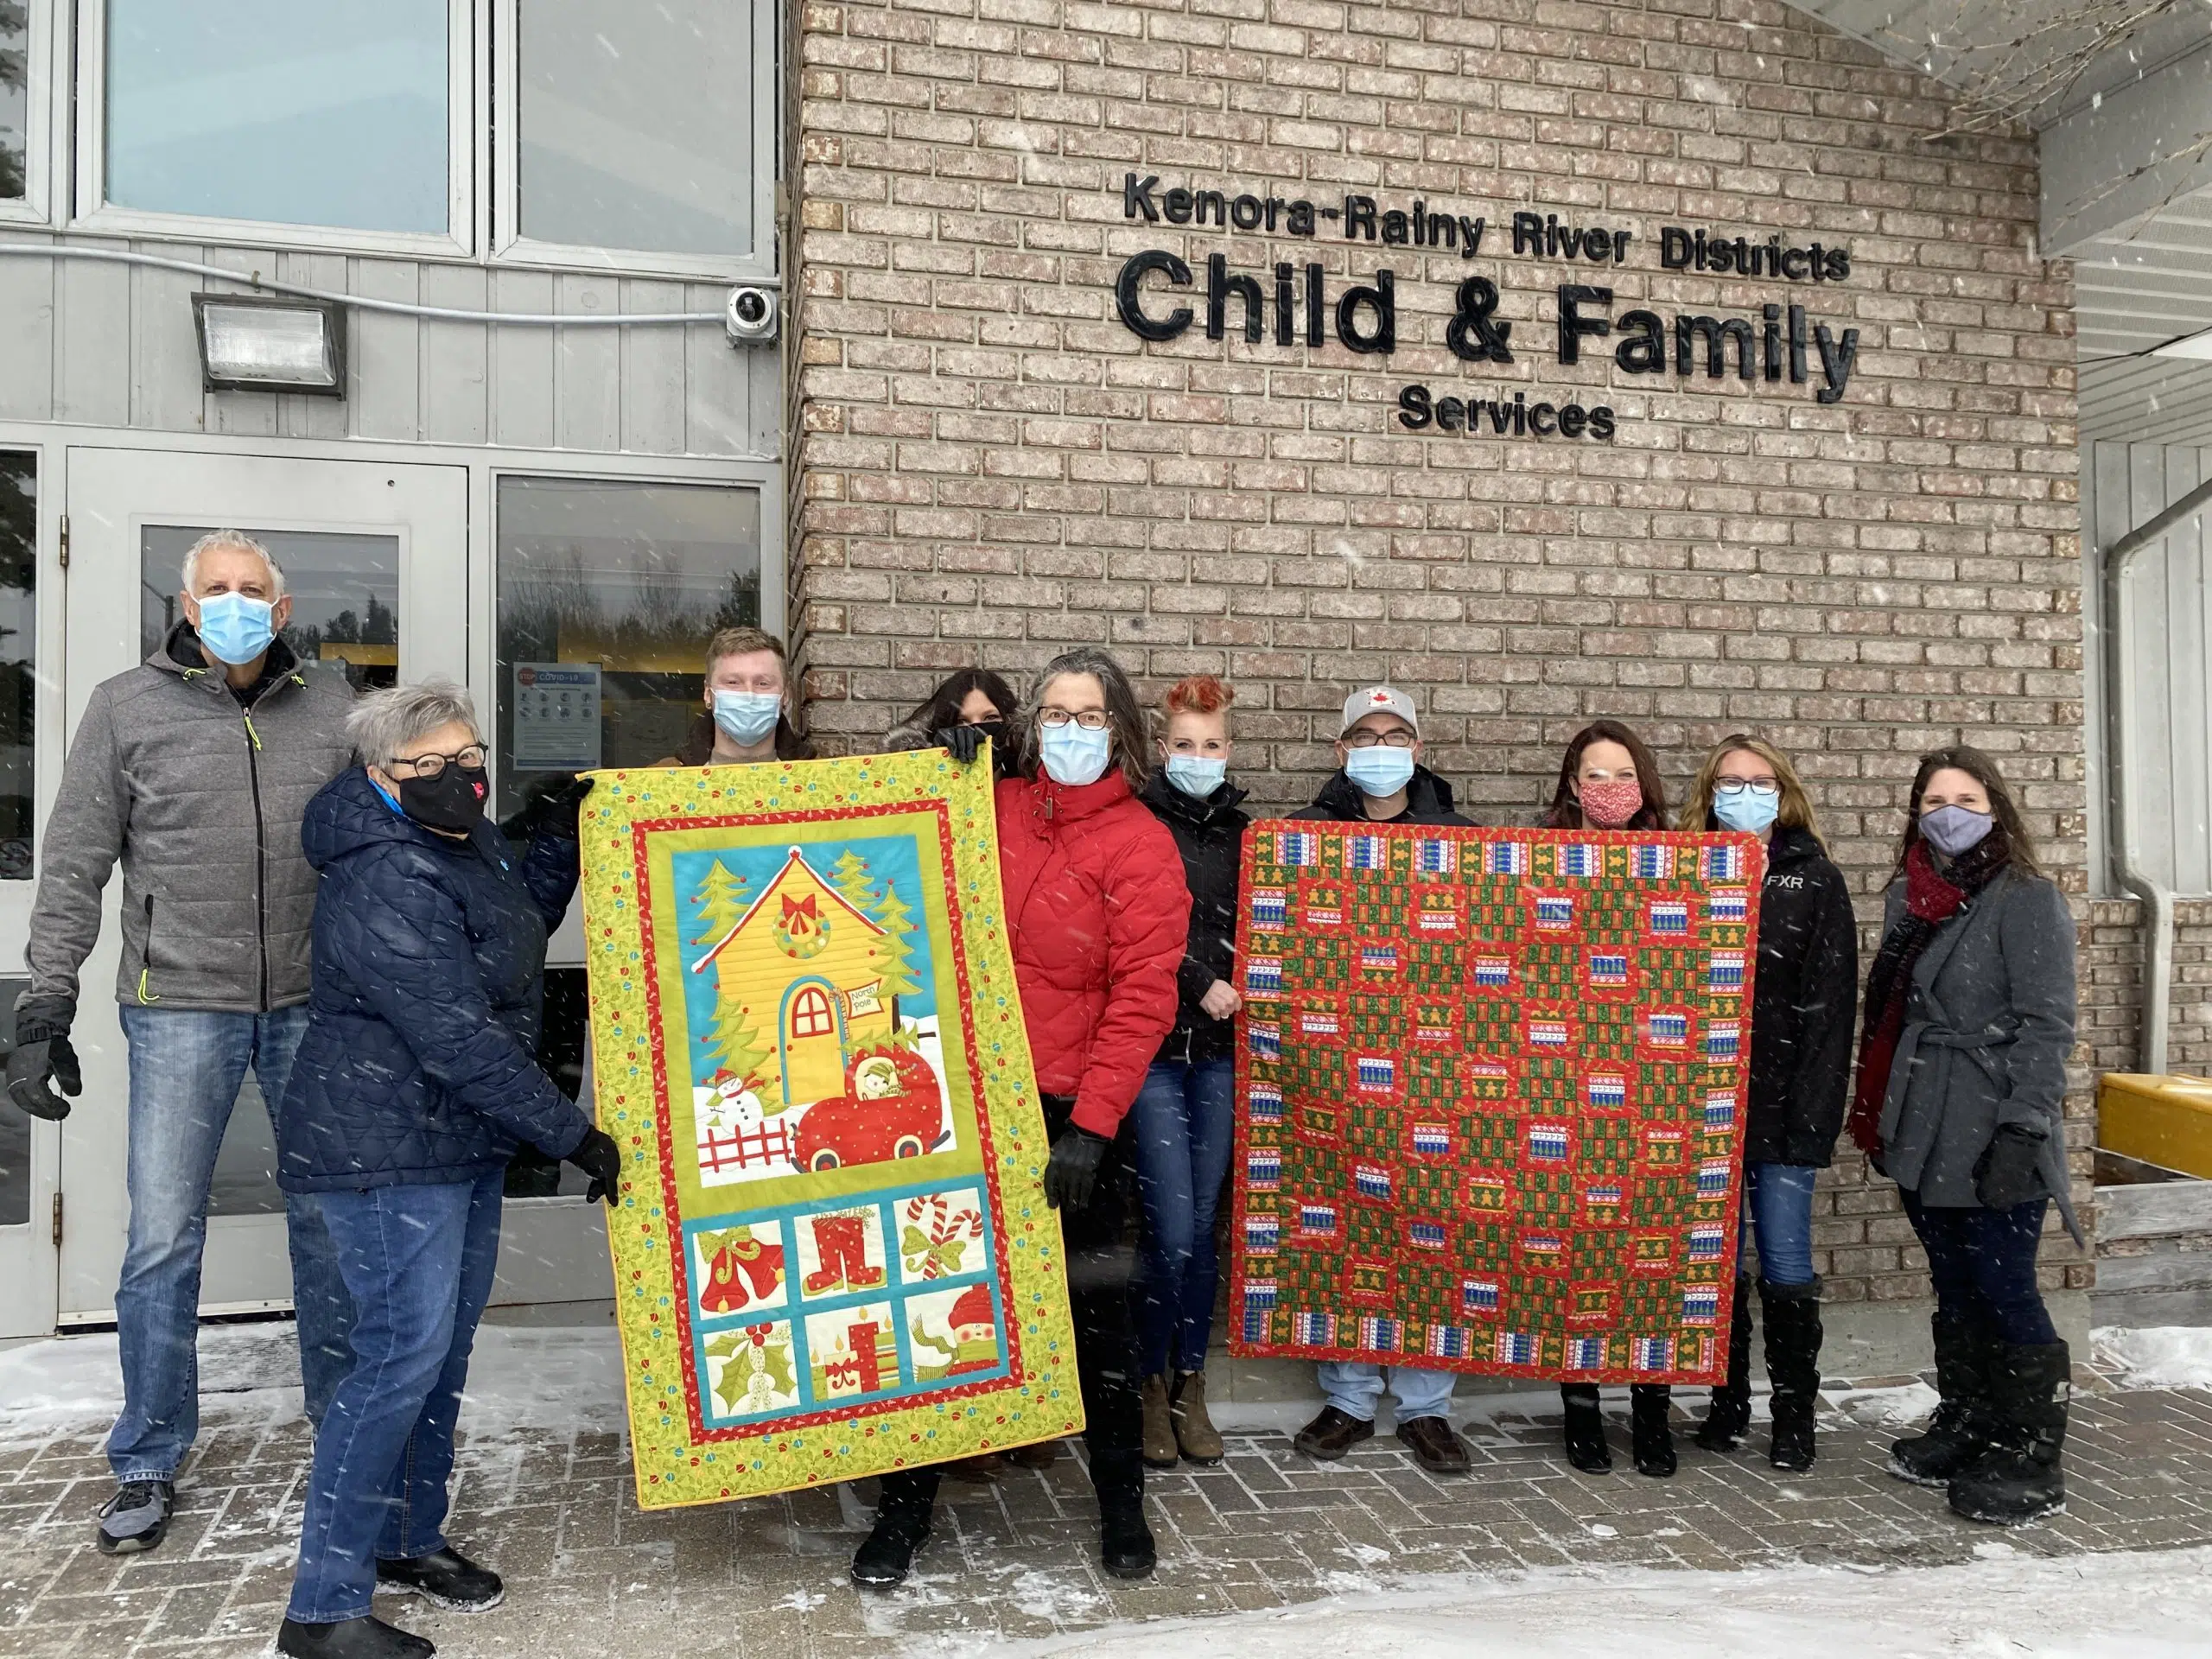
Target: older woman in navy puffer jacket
[[413, 1084]]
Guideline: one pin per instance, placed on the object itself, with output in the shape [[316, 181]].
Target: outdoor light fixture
[[263, 345]]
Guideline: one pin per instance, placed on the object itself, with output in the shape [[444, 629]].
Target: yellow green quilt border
[[1041, 1400]]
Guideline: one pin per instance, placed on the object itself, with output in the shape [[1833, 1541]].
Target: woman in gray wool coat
[[1961, 1073]]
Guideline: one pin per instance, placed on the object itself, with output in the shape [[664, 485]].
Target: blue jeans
[[1353, 1387], [185, 1070], [419, 1261], [1185, 1126], [1778, 1212], [1983, 1263]]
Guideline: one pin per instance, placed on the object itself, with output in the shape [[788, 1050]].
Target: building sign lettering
[[1158, 297]]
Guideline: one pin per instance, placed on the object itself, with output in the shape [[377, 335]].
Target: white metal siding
[[2166, 630], [112, 346]]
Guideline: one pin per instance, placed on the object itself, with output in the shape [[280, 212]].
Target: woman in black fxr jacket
[[1185, 1118], [1804, 995]]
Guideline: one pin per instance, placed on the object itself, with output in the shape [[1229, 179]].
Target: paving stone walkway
[[590, 1573]]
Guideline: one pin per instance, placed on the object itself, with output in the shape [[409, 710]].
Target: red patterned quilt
[[1491, 1086]]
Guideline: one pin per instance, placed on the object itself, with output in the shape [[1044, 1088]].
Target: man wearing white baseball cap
[[1380, 780]]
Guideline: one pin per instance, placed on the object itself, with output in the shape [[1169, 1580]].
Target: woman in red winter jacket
[[1097, 915]]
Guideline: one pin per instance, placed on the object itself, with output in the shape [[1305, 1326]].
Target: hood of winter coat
[[1426, 796], [1790, 845], [179, 653], [1219, 807], [349, 814]]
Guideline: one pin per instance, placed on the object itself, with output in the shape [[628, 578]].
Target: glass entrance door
[[376, 557], [30, 1150]]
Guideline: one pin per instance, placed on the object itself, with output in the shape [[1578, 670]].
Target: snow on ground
[[2004, 1606], [2157, 1357], [567, 1376], [520, 1376]]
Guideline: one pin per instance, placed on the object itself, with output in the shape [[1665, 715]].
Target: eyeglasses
[[1733, 786], [431, 766], [1091, 720], [1400, 739]]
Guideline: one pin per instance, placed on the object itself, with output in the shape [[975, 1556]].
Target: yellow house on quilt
[[807, 954]]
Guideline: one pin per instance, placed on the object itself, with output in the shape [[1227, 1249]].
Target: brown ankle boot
[[1159, 1448], [1194, 1430]]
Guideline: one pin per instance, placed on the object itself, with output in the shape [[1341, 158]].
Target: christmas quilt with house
[[1490, 1088], [832, 1255]]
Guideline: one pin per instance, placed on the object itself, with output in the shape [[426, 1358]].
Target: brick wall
[[988, 466], [2112, 987]]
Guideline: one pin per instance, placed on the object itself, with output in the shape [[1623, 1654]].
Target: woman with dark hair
[[1961, 1084], [1098, 918], [969, 705], [1802, 1004], [1609, 780], [1184, 1119]]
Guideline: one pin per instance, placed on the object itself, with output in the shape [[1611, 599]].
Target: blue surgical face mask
[[1073, 756], [1753, 810], [1380, 771], [235, 628], [746, 717], [1954, 829], [1196, 775]]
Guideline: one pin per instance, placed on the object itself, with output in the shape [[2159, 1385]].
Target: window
[[344, 589], [638, 135], [18, 658], [634, 129], [812, 1015], [26, 104], [645, 130], [608, 591], [14, 99], [339, 114]]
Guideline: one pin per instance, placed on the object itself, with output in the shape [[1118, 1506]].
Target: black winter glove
[[1072, 1172], [42, 1053], [550, 804], [598, 1156], [2010, 1170], [966, 742]]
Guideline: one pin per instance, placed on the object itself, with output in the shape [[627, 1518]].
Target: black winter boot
[[1650, 1439], [1125, 1546], [1730, 1413], [1791, 1315], [2018, 1480], [1585, 1428], [1959, 1432], [445, 1578], [902, 1527], [367, 1638]]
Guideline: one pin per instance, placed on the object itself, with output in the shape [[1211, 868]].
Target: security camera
[[750, 318]]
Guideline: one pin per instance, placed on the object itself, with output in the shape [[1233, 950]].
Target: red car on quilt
[[893, 1107]]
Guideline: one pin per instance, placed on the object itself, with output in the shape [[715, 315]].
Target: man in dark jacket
[[194, 769], [1380, 780]]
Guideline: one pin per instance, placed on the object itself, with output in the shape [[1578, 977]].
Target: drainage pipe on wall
[[2157, 897]]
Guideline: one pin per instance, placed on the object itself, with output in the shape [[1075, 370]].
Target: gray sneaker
[[136, 1516]]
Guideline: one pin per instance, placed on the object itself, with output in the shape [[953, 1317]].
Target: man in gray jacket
[[194, 769]]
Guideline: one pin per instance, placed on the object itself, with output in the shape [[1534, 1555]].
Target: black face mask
[[453, 800], [994, 729]]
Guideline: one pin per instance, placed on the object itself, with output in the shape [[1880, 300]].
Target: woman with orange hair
[[1185, 1118]]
